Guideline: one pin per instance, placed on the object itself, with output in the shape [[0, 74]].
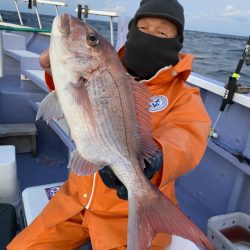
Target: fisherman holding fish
[[120, 193]]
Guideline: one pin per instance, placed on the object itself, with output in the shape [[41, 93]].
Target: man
[[95, 206]]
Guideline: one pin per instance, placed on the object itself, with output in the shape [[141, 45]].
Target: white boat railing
[[81, 10], [18, 12], [48, 2], [34, 3], [1, 55]]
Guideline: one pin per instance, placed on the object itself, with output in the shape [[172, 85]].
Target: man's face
[[157, 27]]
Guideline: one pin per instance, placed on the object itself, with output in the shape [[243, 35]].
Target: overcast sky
[[219, 16]]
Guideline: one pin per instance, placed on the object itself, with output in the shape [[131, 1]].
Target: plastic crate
[[235, 220]]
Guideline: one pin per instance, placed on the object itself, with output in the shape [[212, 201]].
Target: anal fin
[[81, 166]]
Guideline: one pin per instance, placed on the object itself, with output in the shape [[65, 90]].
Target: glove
[[110, 180]]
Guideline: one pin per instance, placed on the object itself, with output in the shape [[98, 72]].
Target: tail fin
[[157, 214]]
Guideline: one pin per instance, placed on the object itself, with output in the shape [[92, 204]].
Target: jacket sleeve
[[49, 81], [182, 133]]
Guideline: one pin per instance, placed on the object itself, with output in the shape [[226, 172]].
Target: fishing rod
[[233, 87]]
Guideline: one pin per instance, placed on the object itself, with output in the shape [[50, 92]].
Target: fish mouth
[[68, 23], [64, 24]]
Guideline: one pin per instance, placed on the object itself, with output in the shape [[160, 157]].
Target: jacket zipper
[[92, 192]]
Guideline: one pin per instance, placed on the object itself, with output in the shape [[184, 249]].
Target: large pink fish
[[107, 113]]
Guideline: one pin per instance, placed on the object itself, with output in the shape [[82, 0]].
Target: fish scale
[[105, 103]]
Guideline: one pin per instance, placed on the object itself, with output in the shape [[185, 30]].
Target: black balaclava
[[145, 54]]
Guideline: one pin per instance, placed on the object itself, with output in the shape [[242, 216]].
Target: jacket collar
[[181, 70]]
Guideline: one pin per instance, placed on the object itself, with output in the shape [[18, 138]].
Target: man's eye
[[142, 27], [163, 34]]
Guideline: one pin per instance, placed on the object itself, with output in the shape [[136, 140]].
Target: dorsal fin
[[142, 99]]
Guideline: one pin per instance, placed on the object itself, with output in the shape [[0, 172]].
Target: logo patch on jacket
[[158, 103]]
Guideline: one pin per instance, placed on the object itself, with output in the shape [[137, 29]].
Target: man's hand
[[45, 61], [110, 180]]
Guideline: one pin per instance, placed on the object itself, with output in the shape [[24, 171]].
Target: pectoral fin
[[50, 108], [81, 166], [80, 93]]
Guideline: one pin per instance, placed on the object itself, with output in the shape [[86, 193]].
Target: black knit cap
[[172, 10]]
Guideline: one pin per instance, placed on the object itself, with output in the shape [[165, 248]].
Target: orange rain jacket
[[181, 128]]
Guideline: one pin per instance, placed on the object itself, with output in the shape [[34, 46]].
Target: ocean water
[[216, 55]]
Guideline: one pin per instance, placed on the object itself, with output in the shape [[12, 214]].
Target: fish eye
[[92, 40]]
